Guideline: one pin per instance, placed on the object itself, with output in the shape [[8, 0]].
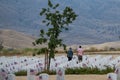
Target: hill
[[103, 46], [14, 39]]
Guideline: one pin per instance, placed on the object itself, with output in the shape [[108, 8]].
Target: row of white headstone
[[16, 64], [31, 75]]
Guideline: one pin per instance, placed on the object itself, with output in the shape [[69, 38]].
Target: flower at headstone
[[109, 78], [3, 73], [33, 72], [84, 65], [40, 64], [112, 76], [40, 77], [44, 76], [59, 72], [15, 63]]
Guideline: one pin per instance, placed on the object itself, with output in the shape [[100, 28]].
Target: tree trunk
[[46, 61], [48, 68]]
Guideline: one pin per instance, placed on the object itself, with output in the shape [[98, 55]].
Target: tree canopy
[[57, 21]]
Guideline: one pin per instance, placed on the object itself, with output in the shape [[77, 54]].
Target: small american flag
[[109, 78], [3, 73], [15, 63], [116, 71], [84, 65], [40, 77], [59, 72], [40, 64], [32, 72]]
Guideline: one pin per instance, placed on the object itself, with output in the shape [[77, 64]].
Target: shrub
[[33, 54], [88, 71], [21, 73], [112, 49], [1, 45], [73, 71], [92, 49]]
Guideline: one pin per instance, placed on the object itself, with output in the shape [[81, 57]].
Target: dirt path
[[72, 77]]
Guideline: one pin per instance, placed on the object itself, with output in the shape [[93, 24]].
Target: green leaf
[[44, 40], [42, 31], [43, 21], [64, 46], [57, 11], [43, 11], [55, 6], [50, 4], [66, 28], [47, 24], [33, 43]]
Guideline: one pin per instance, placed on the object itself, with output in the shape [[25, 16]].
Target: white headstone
[[60, 72], [3, 74], [111, 76], [43, 76], [11, 77], [31, 74], [117, 71]]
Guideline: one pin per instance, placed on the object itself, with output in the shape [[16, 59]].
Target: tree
[[57, 22]]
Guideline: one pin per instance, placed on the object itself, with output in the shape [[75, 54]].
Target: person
[[80, 53], [70, 54]]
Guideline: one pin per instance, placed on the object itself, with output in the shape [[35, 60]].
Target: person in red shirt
[[80, 53]]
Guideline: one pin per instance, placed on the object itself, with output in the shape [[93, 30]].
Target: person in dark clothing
[[70, 54]]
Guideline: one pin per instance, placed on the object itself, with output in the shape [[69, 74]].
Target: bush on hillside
[[1, 45]]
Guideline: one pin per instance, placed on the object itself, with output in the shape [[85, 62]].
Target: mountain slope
[[13, 39], [98, 20]]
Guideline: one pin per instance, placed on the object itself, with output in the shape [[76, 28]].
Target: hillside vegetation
[[19, 43], [98, 20]]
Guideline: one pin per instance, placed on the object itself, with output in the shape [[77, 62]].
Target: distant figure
[[80, 53], [70, 54]]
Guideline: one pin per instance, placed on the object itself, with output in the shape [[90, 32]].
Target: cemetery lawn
[[73, 77]]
